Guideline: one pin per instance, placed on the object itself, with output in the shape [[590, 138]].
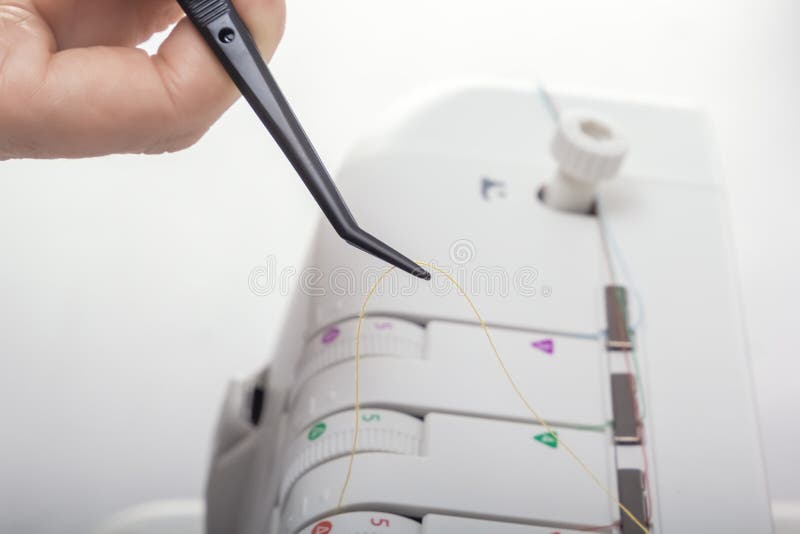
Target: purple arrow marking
[[545, 345]]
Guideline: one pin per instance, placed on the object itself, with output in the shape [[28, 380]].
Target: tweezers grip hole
[[226, 35]]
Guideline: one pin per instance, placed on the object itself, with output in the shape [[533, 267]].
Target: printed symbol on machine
[[548, 438], [492, 188], [383, 326], [323, 527], [544, 345], [330, 336], [316, 431]]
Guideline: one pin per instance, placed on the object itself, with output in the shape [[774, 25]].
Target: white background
[[124, 300]]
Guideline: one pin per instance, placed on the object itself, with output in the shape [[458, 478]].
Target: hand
[[73, 83]]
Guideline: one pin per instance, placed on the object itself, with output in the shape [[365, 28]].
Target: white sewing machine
[[445, 445]]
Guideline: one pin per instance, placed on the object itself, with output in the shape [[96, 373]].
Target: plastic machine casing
[[469, 163]]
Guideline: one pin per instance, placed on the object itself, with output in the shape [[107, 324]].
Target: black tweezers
[[226, 34]]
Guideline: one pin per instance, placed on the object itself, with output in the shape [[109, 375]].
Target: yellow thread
[[514, 386], [356, 400]]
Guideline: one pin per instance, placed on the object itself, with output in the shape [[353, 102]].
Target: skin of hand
[[74, 84]]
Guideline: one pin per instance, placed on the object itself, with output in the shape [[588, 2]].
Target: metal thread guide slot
[[627, 430], [626, 424], [632, 496], [618, 336]]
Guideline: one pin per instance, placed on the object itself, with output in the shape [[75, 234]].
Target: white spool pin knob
[[364, 523], [588, 149]]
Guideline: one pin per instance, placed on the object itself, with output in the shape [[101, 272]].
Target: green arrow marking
[[316, 431], [548, 438]]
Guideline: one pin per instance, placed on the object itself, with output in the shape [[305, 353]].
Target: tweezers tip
[[421, 273]]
